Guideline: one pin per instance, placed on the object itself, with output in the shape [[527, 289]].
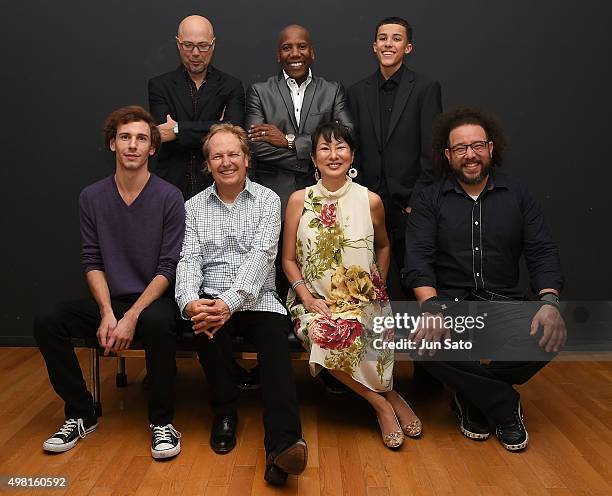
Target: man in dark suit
[[282, 112], [186, 102], [393, 110]]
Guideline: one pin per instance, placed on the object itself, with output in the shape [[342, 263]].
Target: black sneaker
[[68, 435], [512, 433], [472, 422], [165, 441]]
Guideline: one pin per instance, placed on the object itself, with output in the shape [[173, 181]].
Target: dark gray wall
[[542, 67]]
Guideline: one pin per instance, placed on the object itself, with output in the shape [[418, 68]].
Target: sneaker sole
[[293, 460], [166, 453], [516, 447], [472, 435], [61, 448]]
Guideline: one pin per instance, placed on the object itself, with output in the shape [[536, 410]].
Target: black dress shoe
[[274, 475], [511, 432], [332, 385], [249, 379], [223, 433], [290, 458], [472, 421]]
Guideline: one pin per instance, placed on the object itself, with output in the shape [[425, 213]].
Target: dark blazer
[[281, 169], [222, 99], [406, 150]]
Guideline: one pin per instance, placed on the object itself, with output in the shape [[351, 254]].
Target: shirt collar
[[308, 79], [494, 181], [212, 191], [395, 78]]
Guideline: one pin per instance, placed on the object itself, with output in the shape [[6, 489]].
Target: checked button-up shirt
[[229, 250]]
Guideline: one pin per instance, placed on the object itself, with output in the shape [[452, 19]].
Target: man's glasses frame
[[477, 147], [188, 46]]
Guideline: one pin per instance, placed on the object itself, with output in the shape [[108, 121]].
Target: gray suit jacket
[[280, 169]]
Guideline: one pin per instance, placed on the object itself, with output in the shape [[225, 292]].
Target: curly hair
[[447, 121], [125, 115]]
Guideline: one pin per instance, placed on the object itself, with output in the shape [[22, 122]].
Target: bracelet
[[550, 298], [297, 283], [433, 306]]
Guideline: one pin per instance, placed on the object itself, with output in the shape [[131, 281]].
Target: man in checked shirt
[[225, 285]]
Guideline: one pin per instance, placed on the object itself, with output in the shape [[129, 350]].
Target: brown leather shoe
[[291, 459]]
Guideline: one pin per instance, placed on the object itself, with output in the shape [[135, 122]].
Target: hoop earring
[[352, 173], [317, 175]]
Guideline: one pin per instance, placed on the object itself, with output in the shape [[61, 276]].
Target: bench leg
[[121, 377], [94, 358]]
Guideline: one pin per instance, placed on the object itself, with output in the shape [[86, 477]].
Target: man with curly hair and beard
[[465, 237]]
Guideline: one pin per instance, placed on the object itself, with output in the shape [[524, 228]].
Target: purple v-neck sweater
[[131, 244]]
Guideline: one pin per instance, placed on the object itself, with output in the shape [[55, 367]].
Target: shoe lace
[[164, 433], [69, 426]]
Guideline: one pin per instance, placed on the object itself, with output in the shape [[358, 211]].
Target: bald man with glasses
[[187, 101]]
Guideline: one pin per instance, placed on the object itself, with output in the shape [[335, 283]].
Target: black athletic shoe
[[165, 441], [512, 433], [68, 435], [472, 422]]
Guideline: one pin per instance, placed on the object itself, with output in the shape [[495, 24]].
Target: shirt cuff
[[231, 299], [182, 302]]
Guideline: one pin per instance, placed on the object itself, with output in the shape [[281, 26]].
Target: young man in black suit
[[186, 102], [393, 111]]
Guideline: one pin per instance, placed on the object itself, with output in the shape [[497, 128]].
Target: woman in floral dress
[[336, 256]]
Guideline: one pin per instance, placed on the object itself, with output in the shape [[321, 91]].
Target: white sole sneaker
[[169, 453], [60, 447]]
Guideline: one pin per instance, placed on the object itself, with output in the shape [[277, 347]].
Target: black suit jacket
[[406, 150], [222, 97], [281, 169]]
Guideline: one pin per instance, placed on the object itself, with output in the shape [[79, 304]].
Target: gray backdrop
[[540, 66]]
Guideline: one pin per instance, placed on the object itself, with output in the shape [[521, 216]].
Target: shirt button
[[476, 223], [456, 299], [478, 274], [476, 248]]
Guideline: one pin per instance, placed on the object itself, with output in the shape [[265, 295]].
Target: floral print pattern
[[335, 252]]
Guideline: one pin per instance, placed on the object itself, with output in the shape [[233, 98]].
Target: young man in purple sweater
[[132, 227]]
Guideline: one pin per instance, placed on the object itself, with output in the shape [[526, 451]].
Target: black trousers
[[268, 332], [515, 358], [54, 328]]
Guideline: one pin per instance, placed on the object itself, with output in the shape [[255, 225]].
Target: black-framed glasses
[[189, 46], [476, 146]]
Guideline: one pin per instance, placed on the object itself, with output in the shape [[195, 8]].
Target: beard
[[485, 168]]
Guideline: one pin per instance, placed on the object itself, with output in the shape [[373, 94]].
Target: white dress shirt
[[297, 93]]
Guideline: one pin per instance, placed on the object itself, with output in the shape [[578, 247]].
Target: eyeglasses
[[476, 146], [188, 46]]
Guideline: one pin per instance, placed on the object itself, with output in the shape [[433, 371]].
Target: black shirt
[[460, 245], [387, 89]]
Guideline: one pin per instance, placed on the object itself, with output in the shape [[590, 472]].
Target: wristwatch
[[290, 140], [175, 128]]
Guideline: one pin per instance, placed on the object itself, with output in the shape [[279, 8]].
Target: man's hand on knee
[[554, 333], [105, 329], [123, 334]]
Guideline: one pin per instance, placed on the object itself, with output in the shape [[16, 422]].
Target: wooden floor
[[568, 414]]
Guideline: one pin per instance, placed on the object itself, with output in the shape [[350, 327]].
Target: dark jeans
[[269, 332], [515, 358], [54, 328]]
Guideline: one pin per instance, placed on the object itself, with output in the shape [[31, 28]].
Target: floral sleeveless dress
[[335, 253]]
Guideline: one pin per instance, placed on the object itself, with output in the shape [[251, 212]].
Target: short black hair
[[395, 20], [447, 121], [333, 129]]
